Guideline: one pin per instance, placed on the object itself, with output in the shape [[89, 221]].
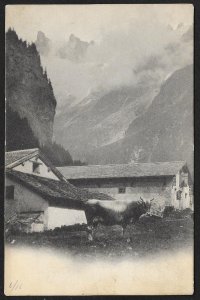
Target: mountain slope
[[28, 90], [18, 132], [163, 132], [100, 119]]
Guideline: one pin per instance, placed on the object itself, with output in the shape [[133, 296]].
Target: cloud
[[142, 46], [172, 48], [150, 64]]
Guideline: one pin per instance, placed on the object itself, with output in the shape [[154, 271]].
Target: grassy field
[[149, 236]]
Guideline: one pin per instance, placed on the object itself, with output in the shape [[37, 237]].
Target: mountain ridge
[[164, 132], [133, 124], [100, 116]]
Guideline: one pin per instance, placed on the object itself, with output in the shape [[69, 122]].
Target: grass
[[140, 239]]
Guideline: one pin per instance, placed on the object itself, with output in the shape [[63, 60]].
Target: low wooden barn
[[168, 183]]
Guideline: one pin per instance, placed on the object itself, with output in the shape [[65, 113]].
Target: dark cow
[[109, 212]]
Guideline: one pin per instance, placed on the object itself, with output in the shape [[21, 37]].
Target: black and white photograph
[[99, 149]]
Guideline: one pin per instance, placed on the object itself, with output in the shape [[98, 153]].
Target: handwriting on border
[[16, 285]]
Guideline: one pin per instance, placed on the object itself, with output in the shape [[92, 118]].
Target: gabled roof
[[57, 193], [122, 170], [15, 158]]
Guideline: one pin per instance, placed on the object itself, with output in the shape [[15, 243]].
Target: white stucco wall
[[27, 201], [24, 201], [59, 217], [27, 167], [186, 200]]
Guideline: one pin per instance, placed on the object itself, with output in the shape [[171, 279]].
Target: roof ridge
[[147, 169], [23, 150], [126, 164]]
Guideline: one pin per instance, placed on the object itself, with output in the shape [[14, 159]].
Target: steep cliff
[[28, 90], [18, 132]]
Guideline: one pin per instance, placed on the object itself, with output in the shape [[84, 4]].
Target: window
[[122, 190], [36, 168], [178, 195], [10, 192]]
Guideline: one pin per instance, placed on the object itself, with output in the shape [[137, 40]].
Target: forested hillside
[[30, 102]]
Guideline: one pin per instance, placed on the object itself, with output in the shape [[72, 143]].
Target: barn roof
[[122, 170], [58, 193], [15, 158]]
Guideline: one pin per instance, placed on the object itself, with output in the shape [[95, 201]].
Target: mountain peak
[[43, 43], [74, 49]]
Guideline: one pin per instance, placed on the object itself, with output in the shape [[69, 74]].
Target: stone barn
[[168, 183]]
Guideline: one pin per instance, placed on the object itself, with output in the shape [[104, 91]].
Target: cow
[[114, 212]]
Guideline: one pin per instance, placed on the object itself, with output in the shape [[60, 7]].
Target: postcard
[[99, 149]]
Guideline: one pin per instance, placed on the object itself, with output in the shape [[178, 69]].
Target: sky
[[130, 43]]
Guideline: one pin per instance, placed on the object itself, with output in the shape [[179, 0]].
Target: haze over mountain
[[103, 47], [79, 68]]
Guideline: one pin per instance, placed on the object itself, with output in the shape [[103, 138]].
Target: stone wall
[[158, 188]]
